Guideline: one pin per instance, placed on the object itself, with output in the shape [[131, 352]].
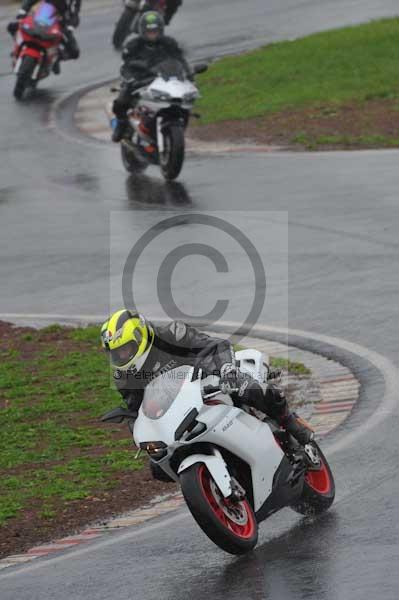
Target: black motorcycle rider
[[139, 351], [140, 55], [69, 12]]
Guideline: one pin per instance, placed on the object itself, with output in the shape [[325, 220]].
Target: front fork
[[36, 72], [160, 138]]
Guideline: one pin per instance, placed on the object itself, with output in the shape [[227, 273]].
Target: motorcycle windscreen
[[45, 15], [162, 391], [171, 68]]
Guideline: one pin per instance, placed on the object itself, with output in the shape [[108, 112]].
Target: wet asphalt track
[[55, 202]]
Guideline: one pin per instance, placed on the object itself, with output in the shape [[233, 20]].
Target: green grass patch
[[55, 385], [355, 63], [349, 141], [292, 367]]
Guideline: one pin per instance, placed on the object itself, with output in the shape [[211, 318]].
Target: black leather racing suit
[[179, 344], [69, 11], [151, 54]]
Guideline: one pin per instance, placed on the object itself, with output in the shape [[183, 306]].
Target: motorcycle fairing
[[250, 439], [215, 465], [226, 427], [163, 428]]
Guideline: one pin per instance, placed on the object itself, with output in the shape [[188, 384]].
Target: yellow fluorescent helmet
[[128, 338]]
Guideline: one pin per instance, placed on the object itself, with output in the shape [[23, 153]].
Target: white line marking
[[103, 543]]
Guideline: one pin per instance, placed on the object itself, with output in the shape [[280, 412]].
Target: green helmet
[[151, 26]]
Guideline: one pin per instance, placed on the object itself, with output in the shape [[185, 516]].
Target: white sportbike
[[234, 469], [158, 120]]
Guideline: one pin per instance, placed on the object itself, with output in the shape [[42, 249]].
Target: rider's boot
[[57, 66], [277, 408], [120, 128]]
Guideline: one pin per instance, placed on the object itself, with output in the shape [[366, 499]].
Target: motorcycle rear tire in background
[[172, 158], [24, 76], [122, 28], [318, 490]]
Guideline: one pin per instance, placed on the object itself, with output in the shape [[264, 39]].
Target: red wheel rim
[[319, 480], [244, 531]]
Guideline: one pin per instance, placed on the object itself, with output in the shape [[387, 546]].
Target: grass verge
[[54, 387], [318, 78], [58, 463]]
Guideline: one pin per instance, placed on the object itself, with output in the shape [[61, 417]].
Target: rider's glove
[[21, 14], [233, 380], [229, 378]]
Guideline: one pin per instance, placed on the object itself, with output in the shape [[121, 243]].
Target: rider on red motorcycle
[[69, 13]]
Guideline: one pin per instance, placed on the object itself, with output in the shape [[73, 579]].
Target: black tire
[[122, 28], [24, 77], [130, 162], [159, 474], [318, 491], [212, 519], [172, 158]]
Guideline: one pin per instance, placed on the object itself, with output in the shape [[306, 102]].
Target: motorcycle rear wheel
[[122, 28], [24, 76], [232, 527], [318, 490], [172, 158]]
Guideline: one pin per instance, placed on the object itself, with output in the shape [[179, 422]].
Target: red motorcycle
[[37, 46]]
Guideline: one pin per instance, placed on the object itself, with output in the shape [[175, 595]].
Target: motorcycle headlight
[[158, 95]]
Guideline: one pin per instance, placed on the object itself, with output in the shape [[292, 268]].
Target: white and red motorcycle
[[159, 119], [234, 469]]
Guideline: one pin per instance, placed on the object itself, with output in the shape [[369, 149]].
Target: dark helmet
[[151, 26]]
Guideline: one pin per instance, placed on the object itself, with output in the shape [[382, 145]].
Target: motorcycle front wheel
[[24, 76], [231, 526], [172, 157], [122, 28], [318, 489]]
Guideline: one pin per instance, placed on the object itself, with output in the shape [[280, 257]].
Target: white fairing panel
[[162, 426], [174, 87], [248, 438], [216, 467]]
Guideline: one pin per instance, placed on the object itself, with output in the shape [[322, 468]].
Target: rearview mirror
[[118, 415]]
